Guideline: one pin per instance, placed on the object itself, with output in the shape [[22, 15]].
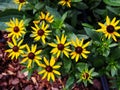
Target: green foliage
[[78, 21]]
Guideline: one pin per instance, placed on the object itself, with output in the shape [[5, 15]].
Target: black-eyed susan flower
[[61, 46], [49, 69], [40, 32], [79, 49], [20, 3], [16, 49], [15, 28], [110, 28], [87, 75], [32, 55], [45, 17], [65, 2]]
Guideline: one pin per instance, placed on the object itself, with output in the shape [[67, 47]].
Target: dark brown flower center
[[60, 46], [40, 32], [78, 50], [86, 75], [49, 69], [66, 0], [16, 29], [21, 1], [31, 55], [110, 29], [15, 48]]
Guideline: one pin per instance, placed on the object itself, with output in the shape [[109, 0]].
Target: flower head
[[20, 3], [15, 28], [31, 55], [16, 49], [49, 69], [60, 47], [110, 28], [65, 2], [40, 32], [80, 49], [87, 75], [45, 17]]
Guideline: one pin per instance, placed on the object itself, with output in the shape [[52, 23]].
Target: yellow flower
[[65, 2], [110, 28], [80, 49], [40, 32], [16, 49], [49, 69], [60, 47], [31, 56], [45, 17], [15, 28], [20, 3]]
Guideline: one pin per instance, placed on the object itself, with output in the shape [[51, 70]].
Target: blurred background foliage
[[81, 20]]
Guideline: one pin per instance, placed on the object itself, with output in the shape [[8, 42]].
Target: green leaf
[[4, 6], [54, 12], [112, 2], [76, 0], [93, 34], [69, 83], [67, 65], [9, 14], [115, 54], [87, 25], [115, 10], [81, 66], [2, 26]]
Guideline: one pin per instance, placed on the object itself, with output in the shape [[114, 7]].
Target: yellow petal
[[46, 61], [66, 53], [56, 67], [29, 64], [14, 41], [56, 72], [28, 49], [58, 54], [41, 72], [77, 57], [113, 21], [74, 44], [54, 50], [107, 20], [52, 61], [44, 76], [63, 39], [48, 77], [33, 48], [58, 40], [38, 52], [38, 63], [85, 45], [52, 44], [52, 76], [24, 60], [84, 55], [114, 37], [10, 44], [20, 42]]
